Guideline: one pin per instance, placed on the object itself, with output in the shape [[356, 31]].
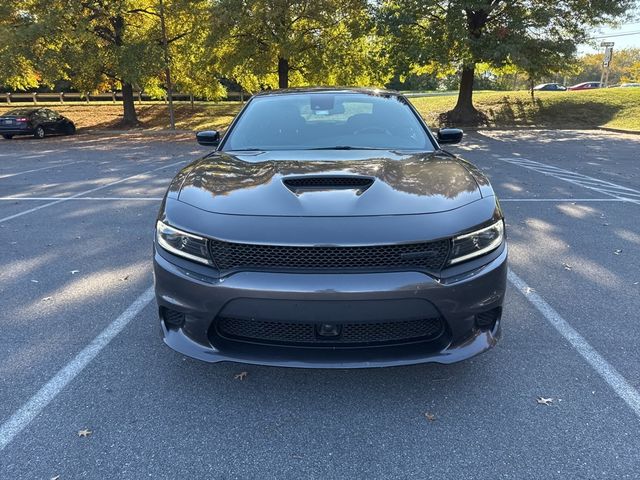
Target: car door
[[57, 122], [40, 118], [52, 121]]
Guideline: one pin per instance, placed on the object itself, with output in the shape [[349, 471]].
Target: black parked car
[[550, 87], [330, 229], [38, 122]]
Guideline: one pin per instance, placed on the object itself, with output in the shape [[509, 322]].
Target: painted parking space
[[155, 413]]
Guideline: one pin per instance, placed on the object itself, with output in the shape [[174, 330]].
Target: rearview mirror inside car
[[210, 138], [449, 135]]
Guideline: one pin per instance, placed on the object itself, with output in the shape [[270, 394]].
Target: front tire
[[7, 137], [39, 132]]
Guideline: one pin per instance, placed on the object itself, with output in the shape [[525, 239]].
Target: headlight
[[182, 243], [475, 244]]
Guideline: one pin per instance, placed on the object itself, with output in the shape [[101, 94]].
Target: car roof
[[22, 111], [337, 90]]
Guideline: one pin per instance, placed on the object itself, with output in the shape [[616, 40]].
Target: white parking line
[[580, 200], [7, 175], [596, 184], [30, 410], [42, 199], [34, 209], [608, 373]]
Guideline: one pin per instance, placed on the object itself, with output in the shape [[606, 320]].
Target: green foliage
[[538, 36], [266, 43], [17, 72], [625, 67]]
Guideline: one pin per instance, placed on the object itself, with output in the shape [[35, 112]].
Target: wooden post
[[139, 97], [113, 96], [87, 96], [191, 99], [61, 98], [35, 98], [8, 98]]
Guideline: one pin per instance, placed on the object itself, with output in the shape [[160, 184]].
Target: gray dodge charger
[[328, 228]]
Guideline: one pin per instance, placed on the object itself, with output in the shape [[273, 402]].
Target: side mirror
[[209, 138], [449, 135]]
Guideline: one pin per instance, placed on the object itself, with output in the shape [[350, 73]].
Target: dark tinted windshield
[[304, 121]]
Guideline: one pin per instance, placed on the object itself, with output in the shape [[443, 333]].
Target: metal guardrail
[[114, 97]]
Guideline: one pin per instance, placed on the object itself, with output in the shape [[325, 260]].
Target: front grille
[[429, 256], [348, 334]]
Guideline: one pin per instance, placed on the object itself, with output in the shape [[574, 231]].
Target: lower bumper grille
[[344, 334]]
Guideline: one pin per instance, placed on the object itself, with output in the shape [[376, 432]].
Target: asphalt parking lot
[[80, 347]]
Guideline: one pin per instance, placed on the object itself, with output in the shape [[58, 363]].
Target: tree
[[468, 32], [541, 58], [620, 70], [96, 43], [17, 71], [181, 29], [261, 42]]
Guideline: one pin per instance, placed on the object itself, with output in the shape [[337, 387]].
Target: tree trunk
[[167, 66], [532, 91], [464, 112], [130, 116], [283, 72]]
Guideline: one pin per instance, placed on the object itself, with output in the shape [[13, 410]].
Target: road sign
[[607, 44]]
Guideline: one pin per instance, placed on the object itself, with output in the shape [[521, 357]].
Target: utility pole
[[167, 68], [606, 62]]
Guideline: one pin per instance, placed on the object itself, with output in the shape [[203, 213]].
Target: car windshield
[[18, 112], [341, 121]]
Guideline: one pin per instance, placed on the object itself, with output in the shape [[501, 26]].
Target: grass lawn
[[615, 108]]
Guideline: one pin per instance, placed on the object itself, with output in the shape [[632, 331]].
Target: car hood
[[318, 183]]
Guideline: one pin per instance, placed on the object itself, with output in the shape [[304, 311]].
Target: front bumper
[[341, 298]]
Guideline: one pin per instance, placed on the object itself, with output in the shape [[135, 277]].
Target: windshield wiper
[[344, 147]]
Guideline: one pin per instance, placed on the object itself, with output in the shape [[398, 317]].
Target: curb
[[106, 131], [619, 130]]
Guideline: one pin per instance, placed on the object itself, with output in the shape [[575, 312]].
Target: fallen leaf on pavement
[[125, 278], [617, 252], [240, 376], [34, 281], [46, 299], [544, 401], [566, 266], [84, 433], [430, 417], [57, 477], [73, 272]]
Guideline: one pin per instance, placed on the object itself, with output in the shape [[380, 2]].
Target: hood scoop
[[311, 183]]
